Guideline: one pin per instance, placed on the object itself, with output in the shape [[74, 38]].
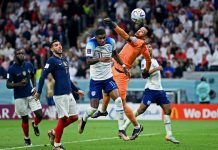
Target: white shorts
[[65, 105], [24, 105]]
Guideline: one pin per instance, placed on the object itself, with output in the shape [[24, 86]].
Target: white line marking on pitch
[[89, 140]]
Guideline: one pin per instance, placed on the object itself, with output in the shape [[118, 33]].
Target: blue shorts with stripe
[[96, 87], [155, 96]]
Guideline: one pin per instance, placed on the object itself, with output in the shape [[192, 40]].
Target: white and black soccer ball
[[138, 15]]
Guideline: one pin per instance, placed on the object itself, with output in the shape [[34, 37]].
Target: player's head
[[143, 32], [100, 36], [203, 79], [19, 55], [150, 49], [56, 47]]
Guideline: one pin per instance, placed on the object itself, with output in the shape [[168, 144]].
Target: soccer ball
[[138, 15]]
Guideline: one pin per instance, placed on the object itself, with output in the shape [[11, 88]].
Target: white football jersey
[[154, 81], [100, 70]]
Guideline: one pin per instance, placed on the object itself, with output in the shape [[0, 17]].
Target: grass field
[[102, 135]]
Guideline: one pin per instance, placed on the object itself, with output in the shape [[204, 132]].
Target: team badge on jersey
[[89, 51], [93, 93], [65, 63], [46, 66], [24, 73]]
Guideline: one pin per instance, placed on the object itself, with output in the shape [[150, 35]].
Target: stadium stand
[[185, 31]]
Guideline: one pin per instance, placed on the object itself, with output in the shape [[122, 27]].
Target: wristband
[[123, 65]]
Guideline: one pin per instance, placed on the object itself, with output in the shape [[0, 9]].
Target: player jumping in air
[[154, 93], [134, 47], [99, 51]]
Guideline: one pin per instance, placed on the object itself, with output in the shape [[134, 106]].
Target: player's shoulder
[[110, 40], [153, 60], [11, 67], [27, 63]]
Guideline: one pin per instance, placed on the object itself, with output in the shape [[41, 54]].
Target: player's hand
[[126, 71], [145, 74], [23, 82], [105, 59], [81, 92], [33, 91], [110, 23], [36, 96]]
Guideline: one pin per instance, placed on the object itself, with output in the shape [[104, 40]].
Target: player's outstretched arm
[[117, 29]]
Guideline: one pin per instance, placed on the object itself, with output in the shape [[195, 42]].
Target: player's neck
[[58, 55]]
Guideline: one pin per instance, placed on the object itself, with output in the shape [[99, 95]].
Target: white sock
[[57, 144], [128, 122], [89, 112], [167, 124], [119, 112]]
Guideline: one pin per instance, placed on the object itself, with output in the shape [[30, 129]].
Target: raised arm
[[117, 29]]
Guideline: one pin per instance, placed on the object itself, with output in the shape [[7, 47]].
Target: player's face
[[141, 33], [150, 49], [101, 39], [20, 55], [57, 47]]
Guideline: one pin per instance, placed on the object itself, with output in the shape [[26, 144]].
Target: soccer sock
[[25, 126], [70, 120], [59, 129], [37, 121], [119, 112], [128, 122], [130, 115], [89, 112], [167, 124], [105, 101]]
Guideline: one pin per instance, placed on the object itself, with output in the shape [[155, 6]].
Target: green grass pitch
[[102, 135]]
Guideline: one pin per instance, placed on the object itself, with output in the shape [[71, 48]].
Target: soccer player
[[134, 47], [19, 77], [154, 93], [99, 51], [65, 103]]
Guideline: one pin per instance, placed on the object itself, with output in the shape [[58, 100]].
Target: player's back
[[154, 81]]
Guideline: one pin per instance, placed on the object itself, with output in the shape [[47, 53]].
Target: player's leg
[[122, 83], [21, 108], [35, 107], [103, 111], [94, 103], [95, 94], [25, 127], [119, 113], [165, 105], [62, 103], [73, 116], [142, 108]]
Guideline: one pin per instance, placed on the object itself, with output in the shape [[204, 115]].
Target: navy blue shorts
[[155, 96], [96, 87]]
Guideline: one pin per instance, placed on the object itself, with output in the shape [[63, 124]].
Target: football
[[138, 15]]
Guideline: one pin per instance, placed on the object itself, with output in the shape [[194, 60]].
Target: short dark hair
[[55, 40], [100, 31], [150, 31], [18, 49]]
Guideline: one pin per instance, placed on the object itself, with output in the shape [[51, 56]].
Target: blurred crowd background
[[185, 32]]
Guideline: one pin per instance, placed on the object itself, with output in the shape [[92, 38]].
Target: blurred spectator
[[135, 70], [188, 24], [168, 71], [203, 90]]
